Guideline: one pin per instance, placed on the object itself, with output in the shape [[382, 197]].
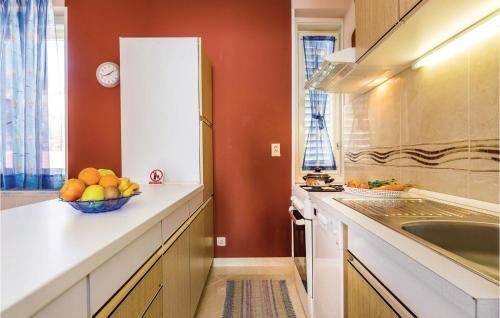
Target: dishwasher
[[327, 266]]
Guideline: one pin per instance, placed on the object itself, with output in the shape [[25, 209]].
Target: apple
[[104, 172], [93, 193]]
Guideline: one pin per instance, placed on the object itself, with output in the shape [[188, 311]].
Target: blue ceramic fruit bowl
[[100, 205]]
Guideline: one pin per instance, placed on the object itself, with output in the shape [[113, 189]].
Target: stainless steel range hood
[[341, 74]]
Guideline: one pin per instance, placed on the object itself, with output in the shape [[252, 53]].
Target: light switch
[[221, 241], [275, 150]]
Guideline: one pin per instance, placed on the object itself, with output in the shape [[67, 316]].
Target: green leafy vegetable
[[379, 183]]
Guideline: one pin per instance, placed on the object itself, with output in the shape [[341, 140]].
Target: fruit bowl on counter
[[98, 190], [100, 205]]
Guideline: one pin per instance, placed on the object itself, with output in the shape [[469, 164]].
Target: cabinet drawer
[[143, 295], [155, 309], [72, 303], [171, 223], [195, 203], [110, 276]]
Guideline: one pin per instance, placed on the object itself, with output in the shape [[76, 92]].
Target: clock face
[[108, 74]]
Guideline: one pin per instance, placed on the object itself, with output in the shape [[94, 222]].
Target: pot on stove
[[318, 179]]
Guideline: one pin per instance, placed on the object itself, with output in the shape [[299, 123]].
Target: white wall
[[349, 25]]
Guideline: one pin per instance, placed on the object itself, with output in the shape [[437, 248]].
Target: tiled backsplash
[[436, 127]]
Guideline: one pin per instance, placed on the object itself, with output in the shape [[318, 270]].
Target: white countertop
[[47, 247], [470, 283]]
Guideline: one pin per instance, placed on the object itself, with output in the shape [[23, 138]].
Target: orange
[[72, 190], [89, 176], [109, 180]]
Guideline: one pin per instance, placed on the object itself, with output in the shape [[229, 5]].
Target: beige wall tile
[[435, 102], [371, 172], [455, 101], [484, 89], [484, 187], [357, 124], [447, 181], [384, 114]]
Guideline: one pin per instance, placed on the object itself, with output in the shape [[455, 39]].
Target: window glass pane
[[332, 116], [56, 158]]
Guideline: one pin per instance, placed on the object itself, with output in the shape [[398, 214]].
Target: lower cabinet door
[[140, 298], [196, 260], [200, 253], [208, 239], [176, 296], [362, 299]]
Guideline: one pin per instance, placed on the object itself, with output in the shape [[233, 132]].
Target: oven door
[[300, 244]]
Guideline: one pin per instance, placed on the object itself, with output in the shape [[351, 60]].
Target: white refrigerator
[[166, 110]]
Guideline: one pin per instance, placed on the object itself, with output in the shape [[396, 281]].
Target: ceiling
[[321, 8]]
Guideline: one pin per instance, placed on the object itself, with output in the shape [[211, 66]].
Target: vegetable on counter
[[380, 183], [388, 185]]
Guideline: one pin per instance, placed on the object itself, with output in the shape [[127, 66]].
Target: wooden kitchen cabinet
[[143, 295], [155, 309], [176, 279], [406, 6], [200, 253], [171, 282], [208, 238], [208, 160], [362, 300], [374, 18]]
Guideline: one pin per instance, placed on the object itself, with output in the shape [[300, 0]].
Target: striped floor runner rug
[[257, 299]]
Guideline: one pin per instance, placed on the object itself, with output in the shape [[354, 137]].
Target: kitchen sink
[[468, 237], [476, 242]]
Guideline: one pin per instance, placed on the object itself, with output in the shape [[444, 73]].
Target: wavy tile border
[[474, 155]]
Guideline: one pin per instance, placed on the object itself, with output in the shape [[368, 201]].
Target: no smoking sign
[[156, 177]]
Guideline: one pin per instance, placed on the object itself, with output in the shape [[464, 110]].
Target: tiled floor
[[212, 302]]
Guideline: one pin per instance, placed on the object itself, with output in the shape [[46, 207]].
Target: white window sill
[[13, 199]]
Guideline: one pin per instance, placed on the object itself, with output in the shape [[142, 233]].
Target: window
[[56, 59], [332, 116], [33, 135]]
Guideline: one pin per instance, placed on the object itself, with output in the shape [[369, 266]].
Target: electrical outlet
[[275, 150], [221, 241]]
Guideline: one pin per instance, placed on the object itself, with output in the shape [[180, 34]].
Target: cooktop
[[330, 188]]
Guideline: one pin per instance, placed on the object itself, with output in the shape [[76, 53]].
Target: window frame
[[313, 26], [62, 11]]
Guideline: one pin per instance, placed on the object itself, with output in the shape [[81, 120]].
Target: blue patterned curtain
[[318, 151], [23, 96]]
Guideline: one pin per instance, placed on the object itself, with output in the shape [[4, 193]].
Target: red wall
[[249, 44]]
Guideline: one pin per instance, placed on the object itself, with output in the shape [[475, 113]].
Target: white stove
[[301, 213]]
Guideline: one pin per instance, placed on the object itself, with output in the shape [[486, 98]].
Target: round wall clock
[[108, 74]]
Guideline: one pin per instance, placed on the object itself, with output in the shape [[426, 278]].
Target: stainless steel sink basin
[[476, 242], [469, 238]]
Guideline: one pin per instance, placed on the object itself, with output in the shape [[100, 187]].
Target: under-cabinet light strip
[[477, 32]]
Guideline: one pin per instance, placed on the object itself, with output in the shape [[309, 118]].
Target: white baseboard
[[252, 261]]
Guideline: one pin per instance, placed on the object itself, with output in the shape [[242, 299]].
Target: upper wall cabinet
[[406, 5], [420, 27], [374, 18]]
